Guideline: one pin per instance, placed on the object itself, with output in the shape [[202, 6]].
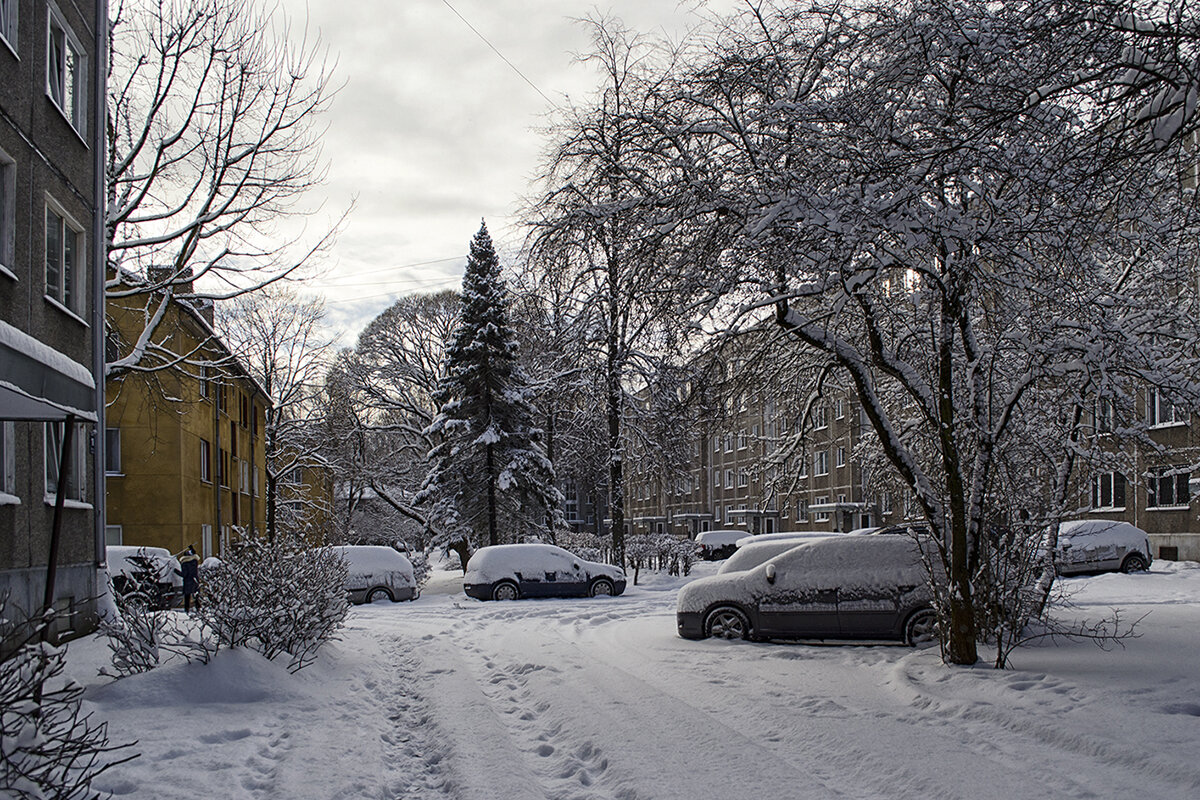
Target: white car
[[376, 572], [751, 553], [152, 569], [1098, 545], [715, 545], [509, 571]]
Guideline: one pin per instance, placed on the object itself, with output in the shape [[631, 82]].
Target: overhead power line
[[511, 65]]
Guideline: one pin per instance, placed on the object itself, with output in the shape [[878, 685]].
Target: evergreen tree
[[488, 472]]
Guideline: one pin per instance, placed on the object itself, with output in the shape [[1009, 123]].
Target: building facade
[[51, 313], [185, 455]]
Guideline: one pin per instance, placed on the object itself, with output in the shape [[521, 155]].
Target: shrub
[[48, 748], [277, 598]]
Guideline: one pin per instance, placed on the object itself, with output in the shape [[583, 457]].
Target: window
[[205, 461], [53, 454], [222, 396], [729, 443], [821, 462], [716, 444], [743, 478], [802, 464], [113, 536], [206, 541], [205, 381], [1108, 490], [839, 408], [716, 473], [742, 442], [1167, 488], [841, 457], [728, 479], [820, 416], [254, 481], [8, 455], [66, 71], [1105, 417], [8, 223], [64, 257], [243, 410], [253, 419], [8, 23], [822, 516], [244, 476], [802, 511], [112, 451], [885, 503], [1161, 411]]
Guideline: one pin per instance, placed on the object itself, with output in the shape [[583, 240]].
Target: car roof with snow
[[362, 559], [720, 537], [119, 563]]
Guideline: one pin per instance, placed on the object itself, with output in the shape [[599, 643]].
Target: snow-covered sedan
[[860, 587], [376, 572], [1100, 545], [509, 571], [715, 545], [151, 571]]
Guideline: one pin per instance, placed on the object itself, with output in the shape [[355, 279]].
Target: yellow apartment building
[[185, 456]]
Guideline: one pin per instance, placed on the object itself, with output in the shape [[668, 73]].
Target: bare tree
[[280, 338], [213, 141]]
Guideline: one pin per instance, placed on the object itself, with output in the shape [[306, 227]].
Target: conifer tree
[[489, 477]]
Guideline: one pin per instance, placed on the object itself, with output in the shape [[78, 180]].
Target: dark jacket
[[189, 570]]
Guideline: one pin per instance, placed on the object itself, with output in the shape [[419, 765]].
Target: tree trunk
[[493, 534]]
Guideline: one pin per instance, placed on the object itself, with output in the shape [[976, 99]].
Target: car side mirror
[[770, 573]]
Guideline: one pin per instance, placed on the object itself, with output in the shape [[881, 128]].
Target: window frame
[[205, 460], [822, 516], [70, 298], [1115, 479], [840, 457], [8, 463], [51, 452], [72, 78], [112, 450], [10, 22], [820, 463], [1155, 403], [1160, 477], [8, 214]]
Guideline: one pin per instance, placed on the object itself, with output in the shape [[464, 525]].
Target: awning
[[38, 382]]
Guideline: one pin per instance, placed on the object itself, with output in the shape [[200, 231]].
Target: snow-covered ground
[[598, 698]]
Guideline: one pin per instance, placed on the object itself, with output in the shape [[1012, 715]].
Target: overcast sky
[[433, 131]]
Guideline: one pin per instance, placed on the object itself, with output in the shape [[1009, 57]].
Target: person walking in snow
[[189, 570]]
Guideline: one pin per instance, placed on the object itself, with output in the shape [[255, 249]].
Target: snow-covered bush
[[277, 598], [139, 635], [48, 747]]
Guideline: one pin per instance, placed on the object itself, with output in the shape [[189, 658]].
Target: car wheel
[[505, 590], [602, 588], [1134, 562], [921, 629], [379, 593], [727, 623]]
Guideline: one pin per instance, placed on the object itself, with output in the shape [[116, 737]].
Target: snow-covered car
[[751, 552], [860, 587], [509, 571], [150, 570], [377, 572], [715, 545], [1097, 545]]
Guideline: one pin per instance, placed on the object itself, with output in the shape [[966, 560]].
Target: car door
[[564, 575], [874, 590], [802, 600]]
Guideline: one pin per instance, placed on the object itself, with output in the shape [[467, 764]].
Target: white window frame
[[52, 436], [839, 408], [1106, 483], [821, 463], [822, 516], [802, 463], [113, 535], [205, 461], [9, 22], [71, 292], [885, 503], [802, 510], [8, 464], [1105, 415], [743, 479], [840, 459], [1162, 477], [244, 476], [820, 416], [1161, 413], [112, 451], [66, 70], [742, 441], [206, 541], [716, 478], [8, 215], [728, 479]]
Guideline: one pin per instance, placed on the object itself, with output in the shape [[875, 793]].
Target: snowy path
[[598, 699]]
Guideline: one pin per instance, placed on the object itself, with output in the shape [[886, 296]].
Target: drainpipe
[[60, 496], [100, 271]]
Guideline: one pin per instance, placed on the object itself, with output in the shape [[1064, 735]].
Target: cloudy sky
[[432, 131]]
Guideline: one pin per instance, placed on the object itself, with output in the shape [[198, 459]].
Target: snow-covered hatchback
[[1099, 545], [860, 587], [151, 570], [376, 572], [509, 571]]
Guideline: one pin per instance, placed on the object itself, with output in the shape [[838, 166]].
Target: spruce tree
[[489, 476]]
